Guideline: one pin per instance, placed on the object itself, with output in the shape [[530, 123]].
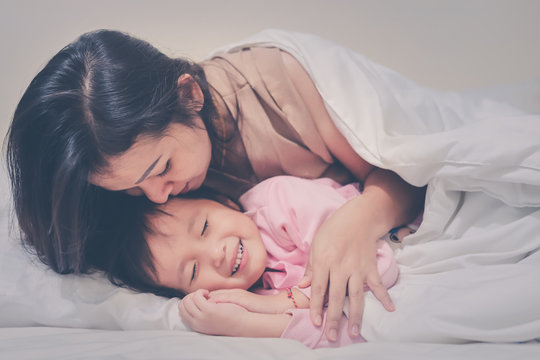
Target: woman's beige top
[[276, 134]]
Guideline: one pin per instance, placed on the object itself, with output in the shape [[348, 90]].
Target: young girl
[[214, 253]]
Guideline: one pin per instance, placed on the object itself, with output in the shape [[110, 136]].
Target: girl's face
[[159, 167], [202, 244]]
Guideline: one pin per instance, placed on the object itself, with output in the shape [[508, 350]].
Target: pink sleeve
[[288, 212], [301, 328], [294, 208], [386, 264]]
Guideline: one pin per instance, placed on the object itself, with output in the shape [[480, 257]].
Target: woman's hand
[[343, 252]]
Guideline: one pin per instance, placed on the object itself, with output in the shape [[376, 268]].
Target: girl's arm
[[290, 322], [265, 304], [342, 255], [228, 319], [201, 313]]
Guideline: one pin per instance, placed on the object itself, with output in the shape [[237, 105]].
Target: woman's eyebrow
[[145, 174]]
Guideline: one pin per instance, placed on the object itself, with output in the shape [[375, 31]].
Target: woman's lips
[[185, 189]]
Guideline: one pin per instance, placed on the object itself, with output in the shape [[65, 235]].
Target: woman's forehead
[[125, 170]]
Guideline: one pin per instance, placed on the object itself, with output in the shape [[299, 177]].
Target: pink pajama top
[[288, 211]]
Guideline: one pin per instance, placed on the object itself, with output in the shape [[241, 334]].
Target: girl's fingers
[[227, 295], [187, 309], [200, 299], [195, 302]]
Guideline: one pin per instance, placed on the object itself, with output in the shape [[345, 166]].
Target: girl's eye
[[167, 168], [194, 272], [205, 226]]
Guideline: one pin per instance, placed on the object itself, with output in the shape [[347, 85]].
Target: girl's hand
[[212, 318], [228, 319], [264, 304]]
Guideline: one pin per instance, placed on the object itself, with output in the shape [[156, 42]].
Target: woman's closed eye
[[166, 170]]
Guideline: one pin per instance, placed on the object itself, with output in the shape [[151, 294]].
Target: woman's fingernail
[[318, 320], [355, 330], [332, 335]]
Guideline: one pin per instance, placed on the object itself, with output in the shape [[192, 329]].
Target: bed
[[468, 287]]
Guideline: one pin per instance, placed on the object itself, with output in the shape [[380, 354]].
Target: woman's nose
[[157, 192]]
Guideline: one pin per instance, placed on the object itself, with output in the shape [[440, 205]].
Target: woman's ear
[[190, 90]]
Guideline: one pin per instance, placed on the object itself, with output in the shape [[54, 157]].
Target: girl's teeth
[[238, 258]]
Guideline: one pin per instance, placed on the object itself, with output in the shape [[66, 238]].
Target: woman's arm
[[343, 256]]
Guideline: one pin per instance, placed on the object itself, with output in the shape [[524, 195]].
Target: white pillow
[[31, 294]]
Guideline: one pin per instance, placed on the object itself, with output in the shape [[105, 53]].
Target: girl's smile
[[242, 256], [202, 244]]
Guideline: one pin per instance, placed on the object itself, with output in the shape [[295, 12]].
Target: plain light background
[[445, 44]]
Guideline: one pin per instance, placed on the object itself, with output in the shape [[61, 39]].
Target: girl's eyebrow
[[145, 174], [192, 222]]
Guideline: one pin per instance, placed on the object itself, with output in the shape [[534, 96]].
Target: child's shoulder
[[287, 187], [289, 180]]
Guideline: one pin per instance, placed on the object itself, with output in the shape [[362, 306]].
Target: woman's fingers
[[336, 299], [356, 305], [319, 285], [381, 293], [306, 279]]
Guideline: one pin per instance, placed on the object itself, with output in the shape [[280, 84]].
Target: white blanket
[[468, 274]]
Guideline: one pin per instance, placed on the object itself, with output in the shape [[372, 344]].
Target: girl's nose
[[218, 254]]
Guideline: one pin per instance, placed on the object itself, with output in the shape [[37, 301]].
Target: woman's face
[[202, 244], [160, 167]]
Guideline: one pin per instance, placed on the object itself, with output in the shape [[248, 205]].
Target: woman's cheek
[[134, 192]]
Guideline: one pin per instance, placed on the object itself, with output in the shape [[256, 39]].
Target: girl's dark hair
[[91, 101], [123, 255]]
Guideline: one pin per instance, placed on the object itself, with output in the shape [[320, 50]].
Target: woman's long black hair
[[91, 101]]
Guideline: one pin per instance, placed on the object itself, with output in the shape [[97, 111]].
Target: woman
[[109, 113]]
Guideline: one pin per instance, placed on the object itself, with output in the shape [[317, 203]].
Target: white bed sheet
[[469, 272], [467, 276], [44, 343]]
